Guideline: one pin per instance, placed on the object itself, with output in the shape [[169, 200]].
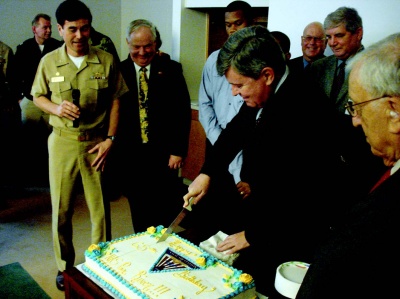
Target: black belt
[[79, 136]]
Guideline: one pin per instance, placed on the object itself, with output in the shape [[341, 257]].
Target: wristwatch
[[112, 137]]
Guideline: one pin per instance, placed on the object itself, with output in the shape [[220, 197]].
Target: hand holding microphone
[[76, 94]]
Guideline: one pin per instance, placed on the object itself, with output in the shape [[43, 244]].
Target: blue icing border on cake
[[111, 288], [237, 286]]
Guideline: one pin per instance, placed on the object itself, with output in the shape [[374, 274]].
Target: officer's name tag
[[57, 79]]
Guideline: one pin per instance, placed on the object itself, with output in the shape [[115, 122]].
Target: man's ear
[[59, 28], [269, 75], [394, 114]]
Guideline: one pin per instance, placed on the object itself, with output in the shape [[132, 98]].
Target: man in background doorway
[[217, 106]]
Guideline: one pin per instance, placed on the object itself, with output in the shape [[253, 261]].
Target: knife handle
[[189, 207]]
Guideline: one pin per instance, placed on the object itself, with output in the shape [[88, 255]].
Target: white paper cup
[[289, 277]]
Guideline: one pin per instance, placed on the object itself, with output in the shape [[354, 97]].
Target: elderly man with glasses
[[356, 261], [313, 45]]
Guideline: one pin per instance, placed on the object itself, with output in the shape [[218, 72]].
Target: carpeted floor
[[16, 283], [25, 233]]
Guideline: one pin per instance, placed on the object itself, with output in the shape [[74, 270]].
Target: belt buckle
[[83, 137]]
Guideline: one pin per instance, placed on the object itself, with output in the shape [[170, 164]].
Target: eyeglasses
[[309, 39], [350, 105]]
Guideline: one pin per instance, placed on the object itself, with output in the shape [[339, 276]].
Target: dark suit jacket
[[102, 41], [143, 168], [359, 259], [292, 169], [296, 66], [323, 72], [169, 107], [27, 58], [360, 165]]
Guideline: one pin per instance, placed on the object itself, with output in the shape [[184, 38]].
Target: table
[[79, 286]]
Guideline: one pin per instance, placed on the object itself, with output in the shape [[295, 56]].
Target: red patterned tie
[[381, 180]]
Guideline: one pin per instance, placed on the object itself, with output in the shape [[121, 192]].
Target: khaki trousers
[[69, 166]]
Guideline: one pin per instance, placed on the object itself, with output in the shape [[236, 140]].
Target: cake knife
[[176, 222]]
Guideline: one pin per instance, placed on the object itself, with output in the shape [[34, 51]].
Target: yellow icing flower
[[151, 230], [93, 247], [201, 261], [245, 278], [226, 276]]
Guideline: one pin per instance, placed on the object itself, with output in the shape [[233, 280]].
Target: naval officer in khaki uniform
[[79, 86]]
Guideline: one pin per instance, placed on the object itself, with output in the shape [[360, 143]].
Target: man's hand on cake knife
[[176, 222], [197, 189]]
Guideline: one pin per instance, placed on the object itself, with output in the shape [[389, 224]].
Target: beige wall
[[17, 15], [380, 18], [182, 30]]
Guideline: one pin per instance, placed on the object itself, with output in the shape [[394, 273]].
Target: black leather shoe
[[60, 281]]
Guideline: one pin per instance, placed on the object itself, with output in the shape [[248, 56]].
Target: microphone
[[76, 94]]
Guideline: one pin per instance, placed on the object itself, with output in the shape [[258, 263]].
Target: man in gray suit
[[344, 32]]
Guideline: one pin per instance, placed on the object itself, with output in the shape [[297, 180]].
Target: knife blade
[[176, 222]]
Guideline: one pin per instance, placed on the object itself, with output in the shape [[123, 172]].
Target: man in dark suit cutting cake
[[291, 167]]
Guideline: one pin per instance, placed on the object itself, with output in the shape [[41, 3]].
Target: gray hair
[[379, 67], [136, 24], [315, 24], [36, 19], [249, 50], [344, 15]]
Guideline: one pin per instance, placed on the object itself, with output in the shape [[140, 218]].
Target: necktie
[[307, 68], [143, 105], [381, 180], [338, 81]]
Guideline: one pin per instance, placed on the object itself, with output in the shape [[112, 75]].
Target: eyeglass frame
[[309, 38], [350, 105]]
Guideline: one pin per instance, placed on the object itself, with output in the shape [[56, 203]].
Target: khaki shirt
[[98, 80], [5, 53]]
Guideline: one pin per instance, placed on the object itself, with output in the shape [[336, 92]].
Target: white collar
[[395, 167], [137, 68], [282, 79]]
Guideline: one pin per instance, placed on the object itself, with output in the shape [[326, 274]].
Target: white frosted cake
[[136, 266]]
